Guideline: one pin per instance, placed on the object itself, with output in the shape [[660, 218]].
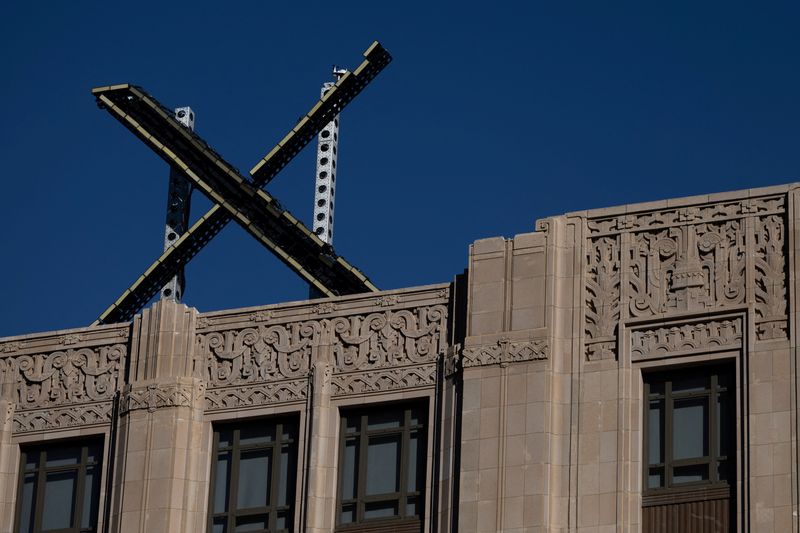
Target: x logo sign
[[235, 196]]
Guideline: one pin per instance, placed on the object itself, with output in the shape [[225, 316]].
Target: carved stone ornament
[[155, 396], [261, 316], [387, 301], [255, 395], [685, 259], [389, 338], [602, 297], [674, 340], [383, 380], [324, 308], [504, 351], [65, 376], [64, 417], [11, 347], [278, 357]]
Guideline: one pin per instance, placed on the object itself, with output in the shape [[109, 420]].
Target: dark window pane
[[725, 380], [59, 498], [220, 525], [254, 472], [283, 480], [225, 438], [384, 420], [413, 445], [93, 453], [63, 456], [383, 462], [724, 471], [349, 469], [348, 514], [31, 460], [288, 432], [251, 523], [222, 481], [380, 510], [283, 520], [655, 478], [417, 416], [352, 424], [689, 474], [655, 425], [26, 509], [725, 422], [694, 382], [690, 428], [256, 434], [90, 488], [412, 507], [657, 388]]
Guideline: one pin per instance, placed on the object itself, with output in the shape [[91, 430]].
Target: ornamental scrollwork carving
[[686, 259], [602, 297], [66, 376], [261, 353], [687, 268], [383, 380], [155, 396], [770, 277], [665, 340], [259, 394], [64, 417], [504, 351], [389, 338]]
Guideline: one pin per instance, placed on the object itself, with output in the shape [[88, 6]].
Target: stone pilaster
[[163, 445], [321, 488], [9, 459]]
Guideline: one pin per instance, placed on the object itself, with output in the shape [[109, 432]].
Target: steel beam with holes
[[236, 197]]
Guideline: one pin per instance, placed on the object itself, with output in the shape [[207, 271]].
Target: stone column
[[321, 443], [9, 459], [163, 444]]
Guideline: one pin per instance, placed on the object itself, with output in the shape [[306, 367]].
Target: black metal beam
[[236, 197]]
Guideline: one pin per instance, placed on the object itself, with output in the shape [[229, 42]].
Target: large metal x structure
[[236, 197]]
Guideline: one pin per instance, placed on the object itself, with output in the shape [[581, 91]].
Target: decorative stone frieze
[[704, 336], [770, 277], [255, 395], [389, 338], [504, 351], [683, 259], [258, 354], [383, 380], [384, 343], [84, 414], [64, 380], [156, 396], [65, 376]]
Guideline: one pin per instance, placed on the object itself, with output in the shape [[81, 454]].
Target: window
[[382, 469], [253, 476], [59, 487], [689, 429]]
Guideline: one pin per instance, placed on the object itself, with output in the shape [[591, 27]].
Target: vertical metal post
[[178, 202], [325, 186], [325, 181]]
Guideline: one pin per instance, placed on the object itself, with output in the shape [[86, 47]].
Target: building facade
[[621, 369]]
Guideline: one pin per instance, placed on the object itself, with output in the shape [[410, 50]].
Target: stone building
[[621, 369]]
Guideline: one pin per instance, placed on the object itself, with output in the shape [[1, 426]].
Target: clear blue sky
[[490, 117]]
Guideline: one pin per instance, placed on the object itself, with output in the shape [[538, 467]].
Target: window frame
[[403, 494], [710, 394], [235, 449], [42, 470]]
